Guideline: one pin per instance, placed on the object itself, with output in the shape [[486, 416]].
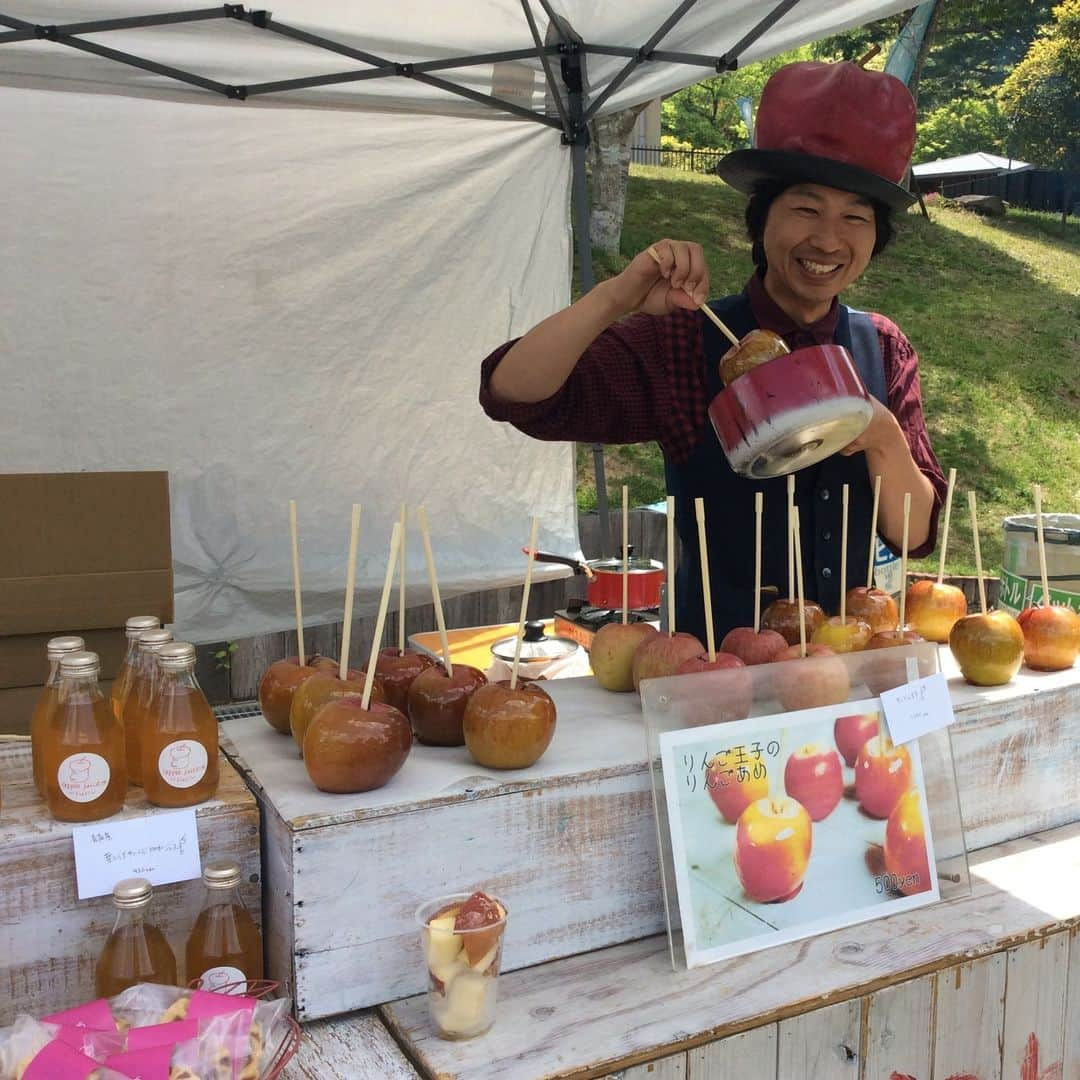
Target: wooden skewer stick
[[524, 603], [873, 533], [797, 539], [401, 584], [978, 554], [868, 55], [1042, 545], [706, 591], [671, 564], [625, 555], [436, 599], [758, 507], [791, 535], [380, 622], [350, 585], [945, 526], [296, 583], [843, 554], [703, 308], [903, 559]]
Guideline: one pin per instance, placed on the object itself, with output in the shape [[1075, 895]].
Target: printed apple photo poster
[[791, 825]]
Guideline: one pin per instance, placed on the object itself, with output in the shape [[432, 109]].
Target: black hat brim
[[742, 169]]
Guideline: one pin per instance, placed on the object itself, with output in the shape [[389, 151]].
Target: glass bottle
[[47, 702], [83, 749], [136, 951], [225, 946], [179, 739], [122, 683], [138, 697]]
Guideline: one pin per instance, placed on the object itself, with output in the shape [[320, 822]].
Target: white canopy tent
[[281, 289]]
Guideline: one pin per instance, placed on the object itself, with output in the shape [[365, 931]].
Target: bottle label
[[215, 980], [83, 777], [182, 764]]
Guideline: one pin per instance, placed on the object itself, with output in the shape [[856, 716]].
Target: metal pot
[[604, 589]]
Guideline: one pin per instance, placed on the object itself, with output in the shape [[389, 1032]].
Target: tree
[[609, 161], [961, 127]]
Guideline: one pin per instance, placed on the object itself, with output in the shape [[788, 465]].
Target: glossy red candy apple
[[814, 777], [730, 793], [312, 694], [783, 616], [873, 606], [932, 609], [755, 348], [1051, 637], [849, 635], [349, 749], [611, 655], [819, 678], [906, 859], [509, 729], [882, 775], [988, 648], [437, 703], [662, 654], [853, 732], [772, 849], [397, 670], [279, 683], [753, 648]]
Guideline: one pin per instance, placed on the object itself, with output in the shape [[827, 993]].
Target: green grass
[[993, 308]]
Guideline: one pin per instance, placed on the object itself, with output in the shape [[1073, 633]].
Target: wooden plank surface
[[1035, 992], [356, 1048], [750, 1055], [899, 1022], [823, 1044], [638, 1008], [1071, 1060], [670, 1068], [970, 1020]]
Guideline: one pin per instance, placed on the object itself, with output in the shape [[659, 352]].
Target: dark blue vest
[[729, 501]]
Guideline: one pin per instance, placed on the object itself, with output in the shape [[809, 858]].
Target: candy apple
[[1051, 637], [906, 860], [437, 703], [717, 699], [662, 654], [783, 616], [730, 794], [888, 639], [611, 655], [509, 729], [312, 694], [882, 775], [853, 732], [989, 648], [932, 609], [397, 670], [850, 635], [805, 683], [755, 348], [349, 749], [873, 606], [772, 849], [753, 648], [882, 669], [279, 683], [814, 777]]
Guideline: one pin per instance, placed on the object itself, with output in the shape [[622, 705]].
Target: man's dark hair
[[765, 193]]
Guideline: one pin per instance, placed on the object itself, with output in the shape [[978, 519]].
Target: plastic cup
[[462, 967]]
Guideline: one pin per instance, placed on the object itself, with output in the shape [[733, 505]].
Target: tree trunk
[[609, 157]]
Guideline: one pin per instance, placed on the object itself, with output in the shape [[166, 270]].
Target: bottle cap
[[175, 656], [58, 646], [152, 640], [138, 623], [221, 874], [80, 663], [132, 892]]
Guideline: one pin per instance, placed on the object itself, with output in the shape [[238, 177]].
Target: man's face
[[818, 240]]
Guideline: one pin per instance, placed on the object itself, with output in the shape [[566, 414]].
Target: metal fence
[[688, 160], [1034, 189]]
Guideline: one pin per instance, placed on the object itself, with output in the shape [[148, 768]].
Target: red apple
[[889, 639], [884, 670], [349, 749], [662, 654], [718, 698], [906, 859], [932, 609], [313, 693], [509, 729], [851, 635], [805, 683], [853, 732], [814, 777], [611, 654], [989, 648], [772, 849], [730, 793], [437, 703], [279, 683], [882, 775], [783, 616], [751, 648], [397, 670], [873, 606], [724, 661], [1051, 637]]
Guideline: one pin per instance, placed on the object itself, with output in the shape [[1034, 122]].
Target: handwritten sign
[[162, 848], [917, 708]]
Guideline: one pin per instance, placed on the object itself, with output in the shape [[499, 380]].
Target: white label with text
[[182, 764], [216, 979], [917, 708], [83, 777]]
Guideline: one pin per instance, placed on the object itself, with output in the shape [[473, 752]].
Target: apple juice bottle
[[138, 697], [47, 702], [122, 683], [83, 749], [136, 951], [179, 739], [225, 946]]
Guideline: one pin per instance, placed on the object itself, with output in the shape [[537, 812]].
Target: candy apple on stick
[[906, 857], [886, 639], [840, 632], [872, 605], [785, 616]]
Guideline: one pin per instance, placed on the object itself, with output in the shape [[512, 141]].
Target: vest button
[[826, 572], [826, 535], [824, 494]]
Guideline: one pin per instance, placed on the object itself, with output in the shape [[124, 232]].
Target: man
[[634, 360]]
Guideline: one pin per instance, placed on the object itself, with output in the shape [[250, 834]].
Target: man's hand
[[882, 433], [667, 275]]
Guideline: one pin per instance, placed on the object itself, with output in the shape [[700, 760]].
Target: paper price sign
[[917, 708], [162, 848]]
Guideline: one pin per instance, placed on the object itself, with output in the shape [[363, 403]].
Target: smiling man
[[634, 360]]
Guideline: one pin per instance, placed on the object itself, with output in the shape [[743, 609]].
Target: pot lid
[[536, 646], [633, 566]]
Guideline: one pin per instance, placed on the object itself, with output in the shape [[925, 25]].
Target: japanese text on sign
[[736, 765]]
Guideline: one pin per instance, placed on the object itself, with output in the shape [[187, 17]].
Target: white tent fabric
[[290, 296]]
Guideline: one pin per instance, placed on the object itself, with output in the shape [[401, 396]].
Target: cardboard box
[[17, 706]]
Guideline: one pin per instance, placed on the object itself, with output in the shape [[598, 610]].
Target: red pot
[[605, 588]]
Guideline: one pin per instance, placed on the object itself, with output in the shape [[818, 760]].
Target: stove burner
[[593, 617]]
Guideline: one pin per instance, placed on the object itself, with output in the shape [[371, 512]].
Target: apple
[[751, 648], [772, 848], [509, 729], [989, 648], [814, 777], [873, 606], [755, 348], [849, 635], [883, 670], [805, 683], [313, 693], [279, 683], [783, 617], [480, 922], [1051, 637], [723, 662], [906, 859], [437, 703], [662, 654], [349, 749], [397, 670], [730, 794], [611, 654], [882, 775], [889, 639], [716, 699], [932, 609], [853, 732]]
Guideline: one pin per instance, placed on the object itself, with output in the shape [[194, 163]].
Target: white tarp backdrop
[[289, 297]]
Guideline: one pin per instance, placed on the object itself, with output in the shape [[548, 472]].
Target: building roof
[[970, 163]]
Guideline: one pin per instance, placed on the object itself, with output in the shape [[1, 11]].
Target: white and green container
[[1021, 581]]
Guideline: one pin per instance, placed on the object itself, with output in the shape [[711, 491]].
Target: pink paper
[[205, 1004], [58, 1061], [95, 1015], [95, 1044], [142, 1038], [149, 1064]]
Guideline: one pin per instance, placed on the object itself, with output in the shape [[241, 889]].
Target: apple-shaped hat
[[832, 124]]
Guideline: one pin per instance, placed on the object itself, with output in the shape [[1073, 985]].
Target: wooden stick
[[868, 55], [843, 553], [380, 622], [350, 585], [945, 527], [671, 564], [296, 583], [703, 308], [706, 591], [873, 533], [436, 599], [524, 603], [903, 559], [797, 539], [401, 586], [978, 554], [758, 507], [625, 555], [791, 535], [1042, 545]]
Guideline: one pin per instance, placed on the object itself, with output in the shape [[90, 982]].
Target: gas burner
[[580, 621]]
